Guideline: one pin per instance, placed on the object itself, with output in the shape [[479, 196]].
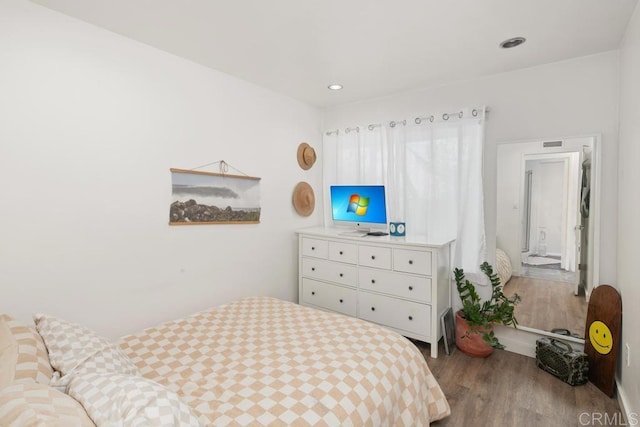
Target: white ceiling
[[372, 47]]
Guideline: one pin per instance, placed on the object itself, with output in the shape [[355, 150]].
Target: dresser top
[[409, 240]]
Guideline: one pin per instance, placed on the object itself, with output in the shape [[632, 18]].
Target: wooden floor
[[548, 304], [507, 389]]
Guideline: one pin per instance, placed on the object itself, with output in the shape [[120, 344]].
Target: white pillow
[[75, 349], [117, 400]]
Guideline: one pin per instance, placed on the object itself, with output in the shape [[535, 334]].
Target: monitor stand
[[359, 232]]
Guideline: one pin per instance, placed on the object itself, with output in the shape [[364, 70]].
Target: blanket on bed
[[265, 361]]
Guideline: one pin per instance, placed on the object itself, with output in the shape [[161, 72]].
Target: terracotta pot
[[469, 341]]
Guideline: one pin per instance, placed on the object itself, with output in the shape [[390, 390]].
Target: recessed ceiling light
[[335, 86], [513, 42]]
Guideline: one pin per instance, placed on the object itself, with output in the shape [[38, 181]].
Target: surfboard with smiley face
[[602, 336]]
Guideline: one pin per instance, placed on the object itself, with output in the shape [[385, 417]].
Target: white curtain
[[432, 170]]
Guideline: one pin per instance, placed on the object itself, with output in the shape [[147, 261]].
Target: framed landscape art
[[213, 198]]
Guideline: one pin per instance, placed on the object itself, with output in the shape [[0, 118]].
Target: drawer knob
[[410, 317], [313, 248], [373, 309], [341, 274], [340, 300], [340, 252], [410, 288], [373, 281], [410, 262], [313, 269], [373, 257], [313, 292]]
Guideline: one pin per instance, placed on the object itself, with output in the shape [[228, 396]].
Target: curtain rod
[[475, 112]]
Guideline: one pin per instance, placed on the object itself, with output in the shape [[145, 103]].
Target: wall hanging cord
[[223, 167]]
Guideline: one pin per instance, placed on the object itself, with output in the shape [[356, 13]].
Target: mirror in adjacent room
[[547, 228]]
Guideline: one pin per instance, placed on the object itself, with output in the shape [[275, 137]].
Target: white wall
[[628, 208], [569, 98], [509, 206], [547, 197], [90, 123]]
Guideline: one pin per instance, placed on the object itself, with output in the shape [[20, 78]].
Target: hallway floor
[[547, 273]]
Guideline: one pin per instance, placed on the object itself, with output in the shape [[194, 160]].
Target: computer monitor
[[361, 207]]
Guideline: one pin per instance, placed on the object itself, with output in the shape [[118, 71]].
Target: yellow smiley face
[[600, 337]]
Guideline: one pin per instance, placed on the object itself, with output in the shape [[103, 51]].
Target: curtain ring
[[474, 112], [445, 116], [392, 124], [371, 127], [420, 119], [460, 114]]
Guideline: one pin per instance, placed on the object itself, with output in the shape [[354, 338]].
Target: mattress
[[263, 361]]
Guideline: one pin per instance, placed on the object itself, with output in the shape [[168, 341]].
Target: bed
[[255, 361]]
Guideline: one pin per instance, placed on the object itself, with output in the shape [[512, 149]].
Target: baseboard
[[632, 418]]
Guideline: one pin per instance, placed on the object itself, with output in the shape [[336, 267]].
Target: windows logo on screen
[[358, 204]]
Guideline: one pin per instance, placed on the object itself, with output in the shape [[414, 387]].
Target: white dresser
[[402, 283]]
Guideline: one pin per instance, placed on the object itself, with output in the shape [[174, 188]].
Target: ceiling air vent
[[550, 144]]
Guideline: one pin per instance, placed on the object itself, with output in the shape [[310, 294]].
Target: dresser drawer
[[343, 252], [396, 284], [315, 248], [329, 271], [417, 262], [399, 314], [330, 297], [375, 256]]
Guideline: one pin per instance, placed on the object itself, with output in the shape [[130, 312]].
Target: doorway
[[551, 245]]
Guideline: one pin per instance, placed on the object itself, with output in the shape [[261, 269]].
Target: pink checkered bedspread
[[263, 361]]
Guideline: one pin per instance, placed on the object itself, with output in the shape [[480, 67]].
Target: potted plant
[[474, 322]]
